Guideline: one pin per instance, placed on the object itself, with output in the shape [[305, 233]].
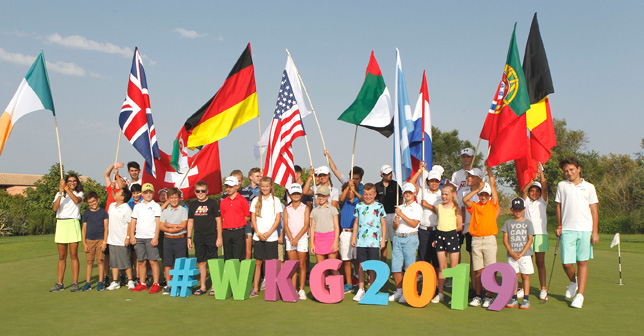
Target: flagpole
[[118, 146], [309, 99], [476, 151], [60, 157], [353, 154], [619, 256], [306, 139], [194, 160]]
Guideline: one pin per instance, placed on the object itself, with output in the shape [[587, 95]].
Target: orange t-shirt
[[483, 222]]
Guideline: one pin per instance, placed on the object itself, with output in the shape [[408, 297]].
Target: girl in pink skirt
[[325, 229]]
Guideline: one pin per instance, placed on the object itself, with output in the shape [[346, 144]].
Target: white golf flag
[[615, 240]]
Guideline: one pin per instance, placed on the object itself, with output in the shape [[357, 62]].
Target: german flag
[[538, 117], [234, 104]]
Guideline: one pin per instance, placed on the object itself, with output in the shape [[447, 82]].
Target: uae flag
[[372, 108], [32, 95], [505, 125], [234, 104], [204, 167]]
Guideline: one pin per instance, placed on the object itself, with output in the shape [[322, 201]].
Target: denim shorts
[[403, 249]]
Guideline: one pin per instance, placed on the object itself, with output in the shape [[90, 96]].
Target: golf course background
[[28, 270]]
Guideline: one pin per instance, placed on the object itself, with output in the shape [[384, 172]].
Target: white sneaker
[[359, 294], [114, 285], [486, 302], [302, 294], [476, 301], [131, 284], [402, 299], [263, 285], [438, 298], [395, 296], [543, 295], [520, 293], [571, 290], [578, 301]]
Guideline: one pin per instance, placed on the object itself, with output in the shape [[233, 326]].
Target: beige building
[[18, 183]]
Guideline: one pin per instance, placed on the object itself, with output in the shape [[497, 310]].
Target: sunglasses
[[198, 191]]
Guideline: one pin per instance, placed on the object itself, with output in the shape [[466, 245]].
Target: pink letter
[[278, 280], [318, 283]]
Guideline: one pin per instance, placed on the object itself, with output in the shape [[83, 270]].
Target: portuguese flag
[[32, 95], [372, 108], [505, 125], [234, 104]]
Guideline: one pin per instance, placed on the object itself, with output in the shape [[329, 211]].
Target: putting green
[[28, 270]]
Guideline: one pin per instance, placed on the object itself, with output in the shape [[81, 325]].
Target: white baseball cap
[[536, 184], [439, 169], [467, 151], [486, 189], [408, 187], [295, 188], [476, 172], [231, 181], [386, 169], [433, 175], [324, 170]]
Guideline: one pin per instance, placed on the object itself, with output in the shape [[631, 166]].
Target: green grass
[[28, 270]]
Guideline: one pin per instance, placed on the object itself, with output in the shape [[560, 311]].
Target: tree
[[446, 151]]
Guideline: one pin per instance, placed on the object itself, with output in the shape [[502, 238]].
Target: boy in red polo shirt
[[483, 228], [235, 212]]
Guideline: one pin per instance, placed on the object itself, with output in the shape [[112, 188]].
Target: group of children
[[426, 219]]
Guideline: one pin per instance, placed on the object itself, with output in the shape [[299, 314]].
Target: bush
[[41, 222]]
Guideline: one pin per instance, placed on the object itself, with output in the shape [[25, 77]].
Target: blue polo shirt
[[347, 208]]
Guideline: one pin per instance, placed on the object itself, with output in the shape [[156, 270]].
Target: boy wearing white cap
[[388, 194], [144, 235], [459, 178], [405, 243], [483, 229]]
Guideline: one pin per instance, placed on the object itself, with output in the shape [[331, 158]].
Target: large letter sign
[[318, 282], [278, 280], [410, 282], [231, 277], [507, 287]]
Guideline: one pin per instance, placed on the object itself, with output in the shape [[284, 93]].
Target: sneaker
[[578, 301], [100, 286], [543, 295], [130, 284], [486, 302], [348, 288], [571, 290], [140, 288], [438, 298], [476, 301], [514, 303], [74, 287], [525, 304], [402, 299], [114, 285], [167, 290], [86, 287], [395, 296], [57, 288], [263, 285], [155, 289], [520, 293], [359, 294], [448, 282], [302, 294]]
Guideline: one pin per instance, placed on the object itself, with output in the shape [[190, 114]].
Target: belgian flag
[[538, 117], [234, 104]]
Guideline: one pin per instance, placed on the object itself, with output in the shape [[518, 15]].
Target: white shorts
[[347, 252], [523, 265], [302, 245], [390, 227]]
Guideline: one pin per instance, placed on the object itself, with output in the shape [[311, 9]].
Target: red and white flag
[[285, 127]]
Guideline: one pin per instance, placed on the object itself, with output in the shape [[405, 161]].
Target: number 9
[[505, 290]]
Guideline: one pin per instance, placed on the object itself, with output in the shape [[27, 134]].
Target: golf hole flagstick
[[551, 269]]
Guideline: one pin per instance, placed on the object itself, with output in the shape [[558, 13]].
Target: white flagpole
[[619, 257]]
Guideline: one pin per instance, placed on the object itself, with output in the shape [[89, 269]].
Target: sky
[[189, 47]]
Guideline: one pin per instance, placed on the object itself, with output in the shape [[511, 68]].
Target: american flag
[[286, 127], [136, 117]]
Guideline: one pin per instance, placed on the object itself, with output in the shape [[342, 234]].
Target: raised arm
[[334, 169]]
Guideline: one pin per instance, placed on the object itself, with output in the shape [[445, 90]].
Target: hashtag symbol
[[183, 275]]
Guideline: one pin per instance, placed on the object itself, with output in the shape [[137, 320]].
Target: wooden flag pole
[[310, 103], [353, 154], [194, 160], [306, 139], [485, 172], [118, 146], [60, 157]]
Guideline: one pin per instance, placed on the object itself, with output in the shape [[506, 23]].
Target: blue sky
[[594, 51]]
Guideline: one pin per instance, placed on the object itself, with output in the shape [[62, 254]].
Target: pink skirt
[[324, 242]]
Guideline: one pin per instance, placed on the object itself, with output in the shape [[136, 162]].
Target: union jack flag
[[286, 127], [136, 117]]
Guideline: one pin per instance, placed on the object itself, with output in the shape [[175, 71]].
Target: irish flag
[[33, 95], [372, 108]]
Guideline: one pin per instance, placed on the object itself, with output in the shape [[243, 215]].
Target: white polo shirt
[[120, 217], [460, 179], [575, 205], [270, 208], [145, 215], [430, 218], [68, 209], [412, 211], [535, 212]]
